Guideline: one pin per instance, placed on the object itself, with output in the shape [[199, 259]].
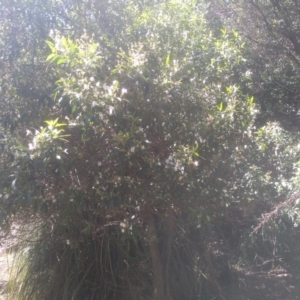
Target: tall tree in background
[[271, 30]]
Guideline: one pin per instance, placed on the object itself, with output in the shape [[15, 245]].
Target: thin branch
[[276, 210]]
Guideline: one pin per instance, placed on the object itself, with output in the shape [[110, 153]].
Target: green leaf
[[22, 148], [235, 33], [60, 124], [62, 61], [229, 90], [64, 42], [51, 46], [51, 56], [167, 60], [220, 106], [74, 107], [224, 31], [93, 47]]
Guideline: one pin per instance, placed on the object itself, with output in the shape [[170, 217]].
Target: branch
[[276, 210]]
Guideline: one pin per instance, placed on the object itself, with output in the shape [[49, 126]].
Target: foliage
[[271, 29], [149, 141]]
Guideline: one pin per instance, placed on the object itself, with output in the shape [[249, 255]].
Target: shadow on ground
[[278, 284]]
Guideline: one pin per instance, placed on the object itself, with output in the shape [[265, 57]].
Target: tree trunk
[[158, 274]]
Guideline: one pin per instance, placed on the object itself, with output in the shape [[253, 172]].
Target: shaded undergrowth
[[85, 256]]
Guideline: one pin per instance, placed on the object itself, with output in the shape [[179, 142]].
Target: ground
[[277, 284]]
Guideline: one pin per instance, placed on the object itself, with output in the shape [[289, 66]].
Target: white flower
[[123, 91], [111, 110]]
